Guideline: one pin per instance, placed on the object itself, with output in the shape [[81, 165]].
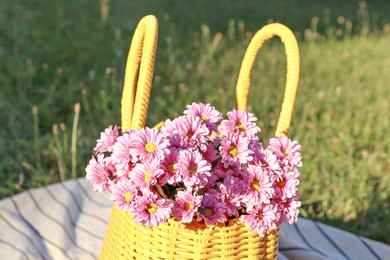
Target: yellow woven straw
[[139, 74], [126, 239], [292, 55]]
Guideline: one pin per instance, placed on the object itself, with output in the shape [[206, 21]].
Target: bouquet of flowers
[[199, 167]]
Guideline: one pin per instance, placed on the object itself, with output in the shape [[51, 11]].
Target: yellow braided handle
[[139, 74], [292, 55]]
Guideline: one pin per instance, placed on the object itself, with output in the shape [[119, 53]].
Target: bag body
[[125, 239]]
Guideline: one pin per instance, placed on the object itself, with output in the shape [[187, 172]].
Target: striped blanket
[[67, 220]]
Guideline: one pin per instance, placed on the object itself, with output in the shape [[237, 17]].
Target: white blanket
[[68, 220]]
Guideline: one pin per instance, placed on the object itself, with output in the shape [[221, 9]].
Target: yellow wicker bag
[[126, 239]]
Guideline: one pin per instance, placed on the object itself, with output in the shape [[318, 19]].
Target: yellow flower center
[[192, 169], [188, 206], [128, 196], [171, 168], [284, 152], [150, 147], [147, 177], [281, 183], [240, 127], [208, 211], [255, 185], [233, 151], [259, 215], [190, 134], [203, 118], [151, 208]]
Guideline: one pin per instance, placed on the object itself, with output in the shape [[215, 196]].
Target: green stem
[[58, 151], [74, 138], [160, 191], [36, 137]]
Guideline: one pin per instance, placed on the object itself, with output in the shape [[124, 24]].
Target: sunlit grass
[[53, 58]]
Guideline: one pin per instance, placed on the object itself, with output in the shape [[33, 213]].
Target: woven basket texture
[[126, 239]]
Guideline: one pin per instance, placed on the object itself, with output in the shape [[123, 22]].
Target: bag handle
[[292, 55], [139, 74]]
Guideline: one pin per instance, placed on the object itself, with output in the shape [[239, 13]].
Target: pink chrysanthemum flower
[[123, 194], [170, 127], [150, 210], [212, 181], [258, 186], [240, 122], [222, 172], [188, 128], [150, 144], [289, 209], [286, 150], [185, 206], [176, 141], [286, 185], [107, 139], [268, 161], [213, 211], [211, 153], [98, 174], [262, 219], [207, 113], [168, 165], [234, 149], [145, 175], [122, 158], [229, 194], [255, 144], [193, 169], [111, 169]]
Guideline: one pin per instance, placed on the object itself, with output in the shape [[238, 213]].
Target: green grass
[[55, 54]]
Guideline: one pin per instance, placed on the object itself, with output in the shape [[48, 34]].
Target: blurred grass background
[[61, 74]]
